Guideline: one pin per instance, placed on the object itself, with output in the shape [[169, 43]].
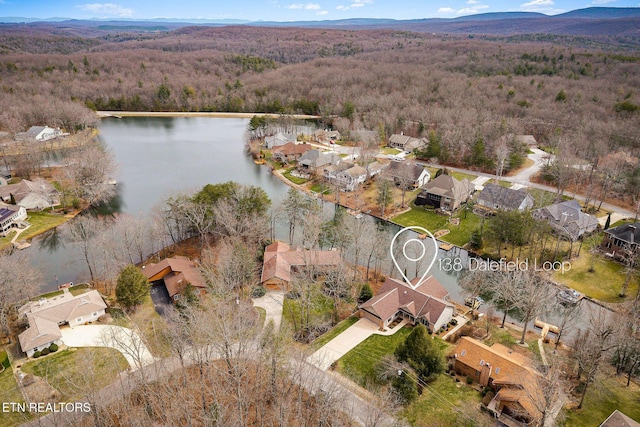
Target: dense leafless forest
[[463, 89]]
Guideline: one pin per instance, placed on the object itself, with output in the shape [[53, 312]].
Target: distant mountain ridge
[[592, 21]]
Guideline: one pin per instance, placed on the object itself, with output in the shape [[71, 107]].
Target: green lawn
[[294, 179], [321, 311], [604, 284], [72, 370], [320, 188], [334, 332], [40, 222], [390, 151], [603, 397], [458, 235], [9, 392], [361, 363], [460, 176], [445, 403]]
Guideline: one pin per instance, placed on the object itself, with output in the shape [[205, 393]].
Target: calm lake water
[[160, 156]]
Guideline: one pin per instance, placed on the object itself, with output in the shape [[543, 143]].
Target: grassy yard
[[446, 402], [604, 284], [460, 176], [390, 151], [334, 332], [321, 310], [153, 328], [458, 235], [69, 371], [74, 290], [606, 395], [320, 188], [9, 392], [40, 222], [361, 363], [292, 178]]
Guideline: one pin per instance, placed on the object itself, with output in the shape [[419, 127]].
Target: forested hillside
[[468, 92]]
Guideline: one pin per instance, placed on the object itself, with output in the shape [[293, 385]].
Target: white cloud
[[472, 2], [307, 6], [538, 6], [354, 4], [602, 1], [446, 10], [322, 12], [106, 9], [467, 11]]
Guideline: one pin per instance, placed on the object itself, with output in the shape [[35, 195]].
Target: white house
[[278, 139], [40, 133], [47, 315], [10, 216]]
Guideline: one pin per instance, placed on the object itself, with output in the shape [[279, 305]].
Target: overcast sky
[[283, 10]]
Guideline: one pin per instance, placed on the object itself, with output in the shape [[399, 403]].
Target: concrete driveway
[[125, 340], [349, 339], [272, 303], [540, 158]]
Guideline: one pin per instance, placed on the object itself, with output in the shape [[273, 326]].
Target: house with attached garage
[[314, 161], [289, 152], [619, 241], [406, 143], [37, 194], [46, 315], [517, 384], [427, 304], [176, 274], [567, 219], [495, 197]]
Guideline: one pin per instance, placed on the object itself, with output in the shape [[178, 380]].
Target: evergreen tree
[[421, 353], [365, 293], [406, 387], [132, 287]]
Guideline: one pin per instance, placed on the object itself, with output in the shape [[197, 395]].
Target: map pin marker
[[421, 254]]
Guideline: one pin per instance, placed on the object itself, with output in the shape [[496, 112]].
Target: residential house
[[36, 194], [47, 315], [39, 133], [494, 197], [408, 173], [518, 399], [289, 152], [324, 136], [176, 273], [445, 192], [406, 143], [374, 168], [278, 139], [346, 176], [620, 240], [427, 304], [280, 260], [567, 219], [11, 216], [314, 161], [618, 419]]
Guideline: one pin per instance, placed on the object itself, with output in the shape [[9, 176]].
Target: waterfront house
[[620, 240], [409, 173], [567, 219], [176, 273], [278, 139], [495, 197], [445, 192], [427, 304], [11, 216], [46, 315], [37, 194], [314, 161], [289, 152]]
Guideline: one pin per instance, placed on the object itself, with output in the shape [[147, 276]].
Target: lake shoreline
[[120, 114]]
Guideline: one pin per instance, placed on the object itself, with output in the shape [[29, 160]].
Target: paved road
[[347, 396]]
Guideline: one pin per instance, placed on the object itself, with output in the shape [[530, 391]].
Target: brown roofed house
[[280, 260], [290, 152], [176, 273], [519, 398], [427, 304]]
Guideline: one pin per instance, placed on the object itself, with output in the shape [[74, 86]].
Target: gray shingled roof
[[504, 198]]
